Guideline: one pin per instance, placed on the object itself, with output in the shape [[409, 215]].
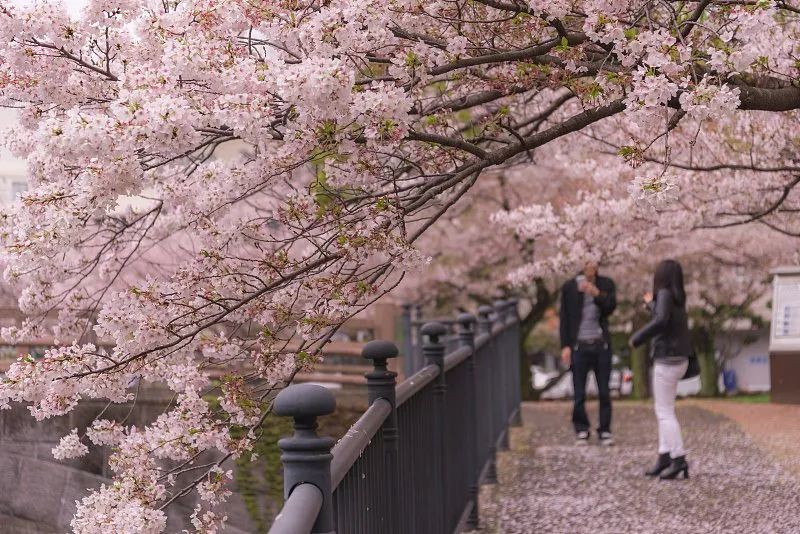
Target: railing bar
[[375, 491], [420, 322], [412, 385], [481, 340], [353, 483], [299, 512], [456, 357], [433, 425], [361, 482], [370, 509], [358, 515], [347, 451]]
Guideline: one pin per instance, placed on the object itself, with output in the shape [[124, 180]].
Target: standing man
[[586, 302]]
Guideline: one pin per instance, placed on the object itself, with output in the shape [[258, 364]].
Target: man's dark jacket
[[572, 309]]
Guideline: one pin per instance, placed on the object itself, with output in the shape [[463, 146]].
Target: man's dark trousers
[[597, 357]]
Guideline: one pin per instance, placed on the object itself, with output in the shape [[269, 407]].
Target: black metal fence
[[414, 461]]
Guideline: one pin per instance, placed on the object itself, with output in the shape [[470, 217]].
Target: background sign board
[[785, 330]]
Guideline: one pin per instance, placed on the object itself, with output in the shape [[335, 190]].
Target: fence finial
[[485, 319], [433, 349], [380, 381], [466, 330], [434, 330], [306, 456], [501, 308]]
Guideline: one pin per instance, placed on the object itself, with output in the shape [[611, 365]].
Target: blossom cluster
[[217, 186]]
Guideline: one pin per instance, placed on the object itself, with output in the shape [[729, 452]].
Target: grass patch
[[754, 398]]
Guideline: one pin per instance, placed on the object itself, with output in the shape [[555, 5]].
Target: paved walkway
[[773, 427], [549, 486]]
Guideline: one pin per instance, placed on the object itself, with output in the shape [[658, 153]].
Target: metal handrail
[[420, 322], [415, 459], [415, 383], [350, 447], [299, 512], [456, 357]]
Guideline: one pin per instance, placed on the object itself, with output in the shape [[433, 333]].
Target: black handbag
[[693, 369]]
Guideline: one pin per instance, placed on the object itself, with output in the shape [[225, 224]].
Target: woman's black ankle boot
[[662, 463], [677, 467]]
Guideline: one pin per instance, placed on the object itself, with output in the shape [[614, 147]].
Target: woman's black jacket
[[668, 328]]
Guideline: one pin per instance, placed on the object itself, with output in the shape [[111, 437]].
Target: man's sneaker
[[606, 439], [582, 438]]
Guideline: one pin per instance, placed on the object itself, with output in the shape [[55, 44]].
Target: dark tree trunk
[[709, 369], [641, 377], [709, 374], [544, 300], [640, 364]]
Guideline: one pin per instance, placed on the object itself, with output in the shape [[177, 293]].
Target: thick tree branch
[[508, 56], [447, 141], [756, 98], [752, 217], [572, 124]]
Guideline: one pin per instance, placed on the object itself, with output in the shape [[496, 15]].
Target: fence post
[[485, 327], [517, 362], [306, 456], [502, 356], [466, 338], [408, 341], [419, 357], [500, 307], [434, 355], [380, 385], [485, 320]]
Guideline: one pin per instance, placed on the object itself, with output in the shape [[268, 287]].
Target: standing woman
[[671, 350]]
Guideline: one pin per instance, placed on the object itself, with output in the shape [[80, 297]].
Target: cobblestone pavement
[[548, 485]]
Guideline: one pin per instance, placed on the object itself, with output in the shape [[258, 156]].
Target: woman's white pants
[[665, 389]]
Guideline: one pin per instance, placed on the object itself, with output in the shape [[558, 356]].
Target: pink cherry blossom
[[216, 186]]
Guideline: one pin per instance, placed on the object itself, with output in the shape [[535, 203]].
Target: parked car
[[620, 382]]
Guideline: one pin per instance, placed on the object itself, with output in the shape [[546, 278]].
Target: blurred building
[[745, 352]]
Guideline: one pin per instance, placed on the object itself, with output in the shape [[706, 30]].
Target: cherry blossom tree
[[730, 281], [363, 123], [727, 275], [470, 260]]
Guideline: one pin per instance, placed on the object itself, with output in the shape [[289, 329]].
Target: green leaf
[[412, 60], [382, 204], [595, 90], [303, 357]]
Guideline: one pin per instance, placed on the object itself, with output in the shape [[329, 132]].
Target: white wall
[[751, 363]]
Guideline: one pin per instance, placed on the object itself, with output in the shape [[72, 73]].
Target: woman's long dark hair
[[669, 275]]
